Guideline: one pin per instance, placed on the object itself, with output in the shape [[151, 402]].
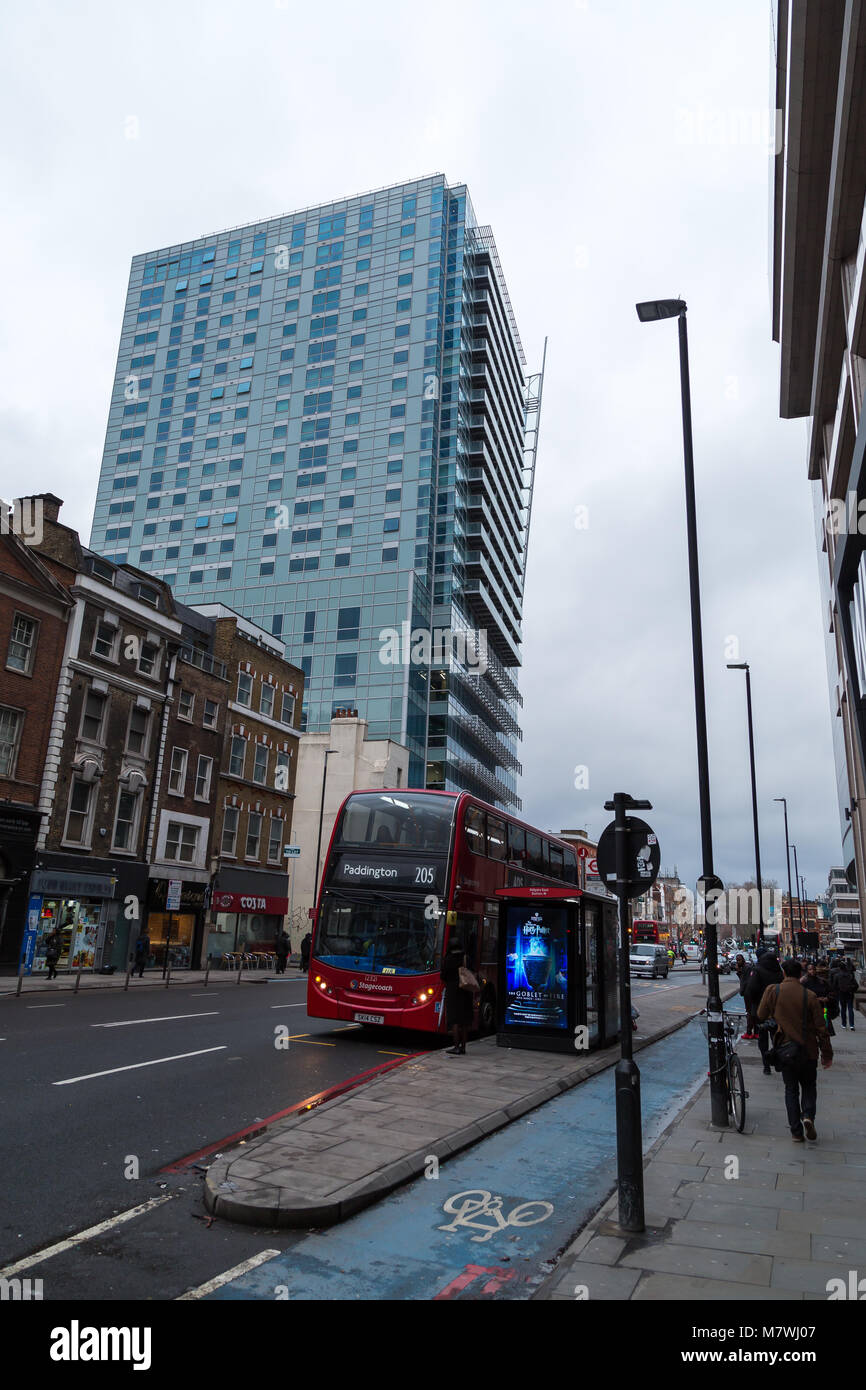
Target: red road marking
[[311, 1103], [470, 1274]]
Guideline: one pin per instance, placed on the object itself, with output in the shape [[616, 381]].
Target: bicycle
[[735, 1089]]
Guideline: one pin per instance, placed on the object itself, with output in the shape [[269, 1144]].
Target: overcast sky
[[620, 150]]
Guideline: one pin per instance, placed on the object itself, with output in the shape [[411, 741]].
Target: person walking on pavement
[[53, 946], [766, 972], [843, 983], [815, 979], [801, 1033], [142, 954], [282, 948], [458, 1001], [306, 946]]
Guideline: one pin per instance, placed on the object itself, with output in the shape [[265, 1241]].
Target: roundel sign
[[643, 857]]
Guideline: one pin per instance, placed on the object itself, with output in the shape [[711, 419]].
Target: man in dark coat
[[843, 983], [306, 946], [766, 972], [53, 949], [142, 953], [282, 947], [800, 1019]]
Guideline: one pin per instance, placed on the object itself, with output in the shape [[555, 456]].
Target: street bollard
[[78, 976], [20, 977], [168, 973], [207, 972], [128, 972], [240, 968]]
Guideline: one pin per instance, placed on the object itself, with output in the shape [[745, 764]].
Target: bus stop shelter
[[558, 969]]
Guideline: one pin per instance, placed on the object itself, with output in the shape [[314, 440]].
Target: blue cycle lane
[[496, 1216]]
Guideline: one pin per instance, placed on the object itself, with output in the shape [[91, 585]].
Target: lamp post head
[[654, 309], [739, 666]]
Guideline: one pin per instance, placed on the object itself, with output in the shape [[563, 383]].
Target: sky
[[620, 149]]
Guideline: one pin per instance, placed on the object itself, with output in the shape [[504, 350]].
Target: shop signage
[[172, 897], [15, 823], [291, 851], [60, 885], [192, 895], [249, 902]]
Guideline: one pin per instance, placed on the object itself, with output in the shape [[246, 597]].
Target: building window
[[177, 773], [211, 712], [11, 721], [22, 644], [266, 701], [245, 689], [238, 755], [230, 831], [148, 662], [203, 778], [125, 821], [79, 816], [93, 716], [287, 711], [348, 624], [254, 835], [138, 731], [181, 842], [260, 767], [185, 705], [275, 840], [105, 639]]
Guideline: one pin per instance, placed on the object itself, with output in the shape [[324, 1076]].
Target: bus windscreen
[[373, 935]]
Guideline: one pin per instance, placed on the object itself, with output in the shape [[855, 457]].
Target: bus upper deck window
[[555, 861], [495, 837], [516, 844], [535, 854], [475, 829]]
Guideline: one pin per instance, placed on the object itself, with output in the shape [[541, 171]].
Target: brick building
[[34, 608]]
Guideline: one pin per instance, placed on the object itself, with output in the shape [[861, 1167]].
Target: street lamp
[[788, 861], [744, 666], [799, 899], [328, 753], [650, 312]]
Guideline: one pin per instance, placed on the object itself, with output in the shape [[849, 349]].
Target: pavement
[[751, 1216], [322, 1166]]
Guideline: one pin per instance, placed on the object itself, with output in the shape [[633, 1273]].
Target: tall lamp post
[[328, 754], [797, 881], [744, 666], [788, 862], [651, 312]]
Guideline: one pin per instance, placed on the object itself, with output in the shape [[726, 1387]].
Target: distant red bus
[[405, 870], [644, 929]]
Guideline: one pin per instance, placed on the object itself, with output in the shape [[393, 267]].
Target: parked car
[[649, 960]]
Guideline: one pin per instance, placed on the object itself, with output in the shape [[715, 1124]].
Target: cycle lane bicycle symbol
[[467, 1207]]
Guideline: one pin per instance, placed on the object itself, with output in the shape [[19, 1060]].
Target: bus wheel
[[487, 1013]]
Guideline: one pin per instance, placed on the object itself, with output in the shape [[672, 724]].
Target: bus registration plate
[[369, 1018]]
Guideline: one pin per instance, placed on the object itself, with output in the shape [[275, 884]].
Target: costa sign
[[245, 902]]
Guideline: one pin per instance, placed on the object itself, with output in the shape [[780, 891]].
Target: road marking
[[51, 1250], [166, 1018], [312, 1042], [235, 1273], [178, 1057], [45, 1006], [383, 1052], [348, 1028], [289, 1006]]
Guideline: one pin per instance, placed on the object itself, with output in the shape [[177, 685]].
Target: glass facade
[[319, 421]]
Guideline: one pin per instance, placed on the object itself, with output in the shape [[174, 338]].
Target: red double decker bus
[[405, 870], [645, 929]]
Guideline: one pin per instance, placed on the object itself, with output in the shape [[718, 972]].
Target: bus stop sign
[[642, 859]]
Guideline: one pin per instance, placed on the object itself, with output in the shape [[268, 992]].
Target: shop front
[[95, 912], [19, 827], [248, 912], [175, 922]]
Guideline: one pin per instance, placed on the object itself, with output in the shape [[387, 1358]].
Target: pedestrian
[[815, 979], [306, 947], [843, 983], [766, 972], [683, 956], [458, 999], [282, 947], [800, 1035], [142, 953], [53, 947]]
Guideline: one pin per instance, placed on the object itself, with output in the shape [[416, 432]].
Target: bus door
[[489, 961]]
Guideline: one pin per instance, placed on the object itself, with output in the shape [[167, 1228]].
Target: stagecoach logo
[[373, 983]]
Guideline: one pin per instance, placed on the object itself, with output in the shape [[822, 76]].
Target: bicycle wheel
[[736, 1091]]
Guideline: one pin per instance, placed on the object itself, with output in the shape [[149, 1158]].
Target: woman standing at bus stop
[[458, 1001]]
